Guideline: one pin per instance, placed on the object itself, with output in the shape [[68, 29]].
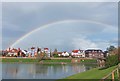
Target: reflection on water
[[38, 71]]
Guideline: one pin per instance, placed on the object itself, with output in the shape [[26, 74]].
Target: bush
[[111, 60], [55, 55]]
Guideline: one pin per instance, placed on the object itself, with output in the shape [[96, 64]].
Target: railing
[[112, 76]]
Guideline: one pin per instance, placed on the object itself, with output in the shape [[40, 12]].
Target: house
[[94, 53], [12, 52], [78, 53], [46, 50], [4, 53], [62, 54], [15, 52], [59, 54], [106, 53], [65, 54], [32, 52]]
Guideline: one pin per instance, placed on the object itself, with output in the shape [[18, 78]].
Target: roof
[[32, 47], [64, 52], [75, 51], [46, 49], [59, 52], [91, 50]]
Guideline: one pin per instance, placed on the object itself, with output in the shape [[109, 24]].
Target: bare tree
[[51, 55], [40, 56]]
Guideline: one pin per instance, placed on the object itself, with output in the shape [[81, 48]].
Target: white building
[[78, 53], [65, 54], [46, 50]]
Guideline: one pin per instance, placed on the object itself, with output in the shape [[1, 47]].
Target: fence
[[113, 76]]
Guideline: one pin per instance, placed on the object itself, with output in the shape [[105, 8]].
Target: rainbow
[[55, 23]]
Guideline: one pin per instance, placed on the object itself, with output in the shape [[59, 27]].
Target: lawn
[[92, 74], [18, 60], [89, 61], [58, 60], [34, 60]]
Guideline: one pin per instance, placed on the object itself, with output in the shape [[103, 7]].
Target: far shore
[[50, 58], [47, 61]]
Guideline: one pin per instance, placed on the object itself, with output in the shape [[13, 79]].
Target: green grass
[[34, 60], [89, 61], [92, 74], [18, 60], [58, 60], [116, 75]]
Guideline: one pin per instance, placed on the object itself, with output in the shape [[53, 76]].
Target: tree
[[40, 56], [55, 51], [113, 57], [118, 54], [112, 60], [51, 55], [111, 48], [38, 50]]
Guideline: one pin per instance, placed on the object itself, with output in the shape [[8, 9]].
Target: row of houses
[[90, 53], [18, 52], [32, 52]]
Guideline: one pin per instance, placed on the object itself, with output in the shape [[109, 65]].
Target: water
[[39, 71]]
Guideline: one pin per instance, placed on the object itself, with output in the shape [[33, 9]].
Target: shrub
[[55, 55], [111, 60]]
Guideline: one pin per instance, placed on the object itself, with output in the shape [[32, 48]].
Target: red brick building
[[94, 53]]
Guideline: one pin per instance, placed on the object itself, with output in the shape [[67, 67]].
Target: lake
[[41, 71]]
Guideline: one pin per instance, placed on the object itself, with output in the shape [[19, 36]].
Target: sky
[[62, 25]]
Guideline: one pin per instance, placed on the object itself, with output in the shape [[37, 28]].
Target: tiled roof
[[75, 51], [46, 49]]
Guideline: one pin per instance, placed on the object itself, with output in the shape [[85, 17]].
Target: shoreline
[[62, 63], [48, 61], [50, 58]]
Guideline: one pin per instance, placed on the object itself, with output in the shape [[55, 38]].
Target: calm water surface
[[39, 71]]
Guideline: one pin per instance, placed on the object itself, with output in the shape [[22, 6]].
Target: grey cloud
[[28, 16]]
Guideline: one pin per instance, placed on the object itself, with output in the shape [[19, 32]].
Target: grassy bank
[[58, 60], [89, 61], [34, 60], [69, 60], [92, 74], [18, 60]]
